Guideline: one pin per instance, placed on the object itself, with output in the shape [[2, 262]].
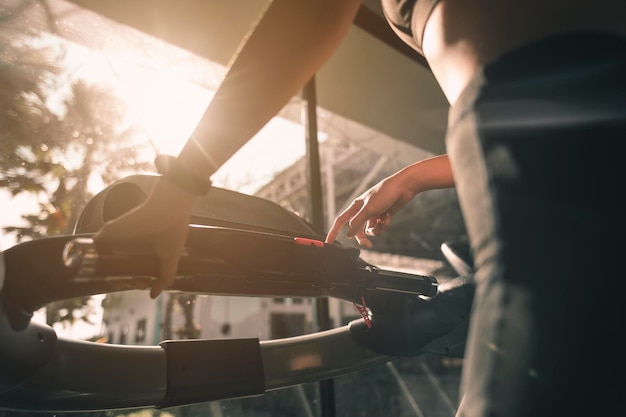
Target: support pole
[[327, 390]]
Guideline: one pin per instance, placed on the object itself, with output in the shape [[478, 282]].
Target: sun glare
[[167, 108]]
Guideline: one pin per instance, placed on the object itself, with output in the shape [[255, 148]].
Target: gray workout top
[[408, 19]]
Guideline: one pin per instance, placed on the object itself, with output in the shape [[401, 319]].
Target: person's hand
[[160, 225], [370, 214]]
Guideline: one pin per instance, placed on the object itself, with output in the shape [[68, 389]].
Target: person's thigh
[[534, 145]]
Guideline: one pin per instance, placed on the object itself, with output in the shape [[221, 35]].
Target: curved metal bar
[[315, 356], [88, 376]]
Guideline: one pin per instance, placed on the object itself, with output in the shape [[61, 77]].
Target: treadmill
[[238, 245]]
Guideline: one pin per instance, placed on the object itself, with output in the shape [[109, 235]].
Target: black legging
[[535, 143]]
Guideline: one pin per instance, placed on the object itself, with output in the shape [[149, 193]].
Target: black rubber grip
[[207, 370], [407, 283]]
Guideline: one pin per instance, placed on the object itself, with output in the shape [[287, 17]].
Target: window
[[140, 333], [124, 335]]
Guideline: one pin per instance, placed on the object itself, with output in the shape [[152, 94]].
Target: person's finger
[[379, 225], [376, 230], [334, 231], [362, 240], [169, 253], [167, 276], [342, 220], [358, 223]]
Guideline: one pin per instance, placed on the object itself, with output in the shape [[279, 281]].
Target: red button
[[308, 242]]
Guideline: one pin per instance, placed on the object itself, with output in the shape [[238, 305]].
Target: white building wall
[[131, 317]]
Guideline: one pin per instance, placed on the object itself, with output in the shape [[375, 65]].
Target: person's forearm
[[429, 174], [291, 42]]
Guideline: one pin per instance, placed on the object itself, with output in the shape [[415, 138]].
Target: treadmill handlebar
[[405, 283], [92, 263]]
